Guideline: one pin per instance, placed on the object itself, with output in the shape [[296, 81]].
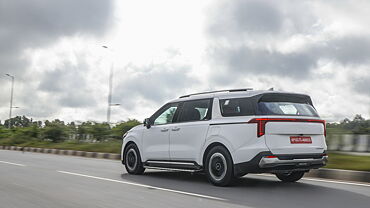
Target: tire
[[219, 166], [290, 177], [132, 160]]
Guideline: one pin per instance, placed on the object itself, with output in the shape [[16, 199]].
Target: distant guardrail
[[64, 152], [348, 142]]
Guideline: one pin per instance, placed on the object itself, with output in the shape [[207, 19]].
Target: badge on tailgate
[[300, 140]]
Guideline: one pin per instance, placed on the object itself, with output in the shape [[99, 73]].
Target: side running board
[[173, 165]]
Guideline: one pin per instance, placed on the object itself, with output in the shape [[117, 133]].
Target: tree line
[[358, 125], [23, 129]]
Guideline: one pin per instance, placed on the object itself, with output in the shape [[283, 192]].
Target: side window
[[236, 107], [166, 115], [196, 110]]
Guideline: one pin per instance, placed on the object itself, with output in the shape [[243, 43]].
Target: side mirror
[[147, 123]]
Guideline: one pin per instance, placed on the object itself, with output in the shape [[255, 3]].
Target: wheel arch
[[126, 144], [210, 146]]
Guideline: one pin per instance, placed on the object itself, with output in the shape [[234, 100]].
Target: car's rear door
[[188, 134]]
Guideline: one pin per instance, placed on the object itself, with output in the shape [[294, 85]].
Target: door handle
[[176, 129], [164, 130]]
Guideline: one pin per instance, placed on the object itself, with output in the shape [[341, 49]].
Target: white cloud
[[163, 49]]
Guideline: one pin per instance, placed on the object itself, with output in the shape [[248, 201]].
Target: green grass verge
[[337, 131], [348, 162]]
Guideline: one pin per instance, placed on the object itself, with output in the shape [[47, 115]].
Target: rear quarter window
[[236, 107]]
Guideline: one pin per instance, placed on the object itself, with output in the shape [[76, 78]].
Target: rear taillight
[[261, 123], [270, 156]]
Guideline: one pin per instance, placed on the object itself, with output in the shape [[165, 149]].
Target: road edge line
[[145, 186], [11, 163]]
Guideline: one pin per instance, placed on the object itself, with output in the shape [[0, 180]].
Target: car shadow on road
[[255, 191]]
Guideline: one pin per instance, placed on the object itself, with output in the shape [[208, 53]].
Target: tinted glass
[[196, 110], [166, 116], [286, 108], [236, 107]]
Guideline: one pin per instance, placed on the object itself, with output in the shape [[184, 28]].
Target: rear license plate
[[300, 140]]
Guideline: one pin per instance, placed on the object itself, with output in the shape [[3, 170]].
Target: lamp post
[[11, 99], [110, 84]]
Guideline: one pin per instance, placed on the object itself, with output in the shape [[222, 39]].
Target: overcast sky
[[161, 50]]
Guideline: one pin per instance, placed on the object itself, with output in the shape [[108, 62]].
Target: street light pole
[[11, 99], [110, 85], [110, 93]]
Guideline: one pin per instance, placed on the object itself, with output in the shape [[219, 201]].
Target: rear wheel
[[132, 159], [290, 177], [219, 166]]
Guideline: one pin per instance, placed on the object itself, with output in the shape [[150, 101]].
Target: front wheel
[[290, 177], [219, 166], [132, 160]]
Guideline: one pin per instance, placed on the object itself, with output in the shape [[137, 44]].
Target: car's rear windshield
[[268, 104], [285, 108]]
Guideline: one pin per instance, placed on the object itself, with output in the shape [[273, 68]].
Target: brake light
[[270, 156], [261, 123]]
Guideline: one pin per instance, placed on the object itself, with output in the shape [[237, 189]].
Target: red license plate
[[300, 140]]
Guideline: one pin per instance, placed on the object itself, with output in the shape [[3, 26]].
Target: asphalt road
[[34, 180]]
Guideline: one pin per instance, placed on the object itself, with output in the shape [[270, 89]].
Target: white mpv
[[229, 133]]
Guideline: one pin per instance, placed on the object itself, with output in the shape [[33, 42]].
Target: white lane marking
[[10, 163], [146, 186], [340, 182], [327, 181]]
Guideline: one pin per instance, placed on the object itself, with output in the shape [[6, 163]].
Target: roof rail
[[232, 90]]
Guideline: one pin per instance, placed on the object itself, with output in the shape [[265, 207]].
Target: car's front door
[[156, 138]]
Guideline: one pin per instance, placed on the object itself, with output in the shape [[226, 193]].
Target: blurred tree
[[123, 127], [26, 133], [100, 131], [72, 130], [37, 123], [18, 121], [358, 118], [5, 132], [55, 131], [358, 125], [83, 130]]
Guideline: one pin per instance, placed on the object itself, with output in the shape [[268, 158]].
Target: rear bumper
[[282, 163], [276, 162]]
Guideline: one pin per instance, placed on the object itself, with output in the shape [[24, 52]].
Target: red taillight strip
[[261, 123]]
